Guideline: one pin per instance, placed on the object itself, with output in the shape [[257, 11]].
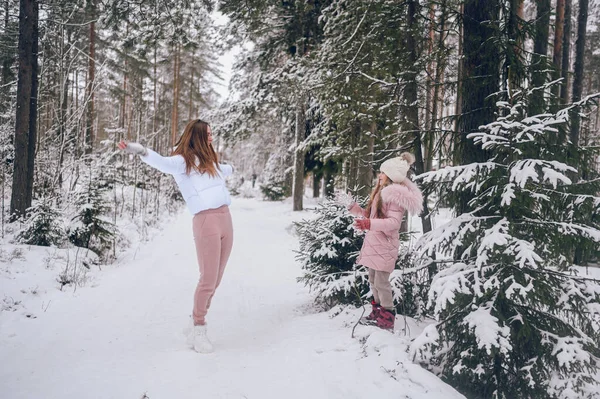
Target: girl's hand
[[362, 224], [344, 199], [133, 148]]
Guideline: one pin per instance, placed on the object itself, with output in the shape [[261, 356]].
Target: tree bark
[[298, 184], [33, 114], [192, 90], [512, 69], [26, 113], [317, 185], [364, 178], [557, 53], [579, 63], [352, 163], [538, 59], [566, 55], [479, 81], [89, 129], [328, 183], [175, 113], [6, 63], [411, 102], [439, 81]]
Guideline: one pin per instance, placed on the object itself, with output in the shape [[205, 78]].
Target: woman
[[393, 195], [200, 178]]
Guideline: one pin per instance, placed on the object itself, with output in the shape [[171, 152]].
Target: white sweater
[[199, 190]]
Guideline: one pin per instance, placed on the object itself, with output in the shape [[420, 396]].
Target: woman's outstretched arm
[[172, 165]]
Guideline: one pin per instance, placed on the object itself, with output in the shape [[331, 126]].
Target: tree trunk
[[298, 184], [538, 59], [557, 53], [6, 64], [122, 119], [578, 76], [512, 69], [454, 145], [480, 80], [352, 163], [175, 113], [430, 67], [411, 102], [566, 55], [317, 184], [329, 183], [192, 89], [364, 178], [439, 81], [26, 113], [64, 94], [89, 129], [154, 110]]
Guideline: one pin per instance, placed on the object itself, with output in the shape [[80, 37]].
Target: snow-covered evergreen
[[329, 247], [43, 225], [514, 319], [91, 227]]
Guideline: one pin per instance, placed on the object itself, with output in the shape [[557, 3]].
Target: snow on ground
[[120, 336]]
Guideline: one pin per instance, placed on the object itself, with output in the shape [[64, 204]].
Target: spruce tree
[[92, 228], [515, 320], [43, 225]]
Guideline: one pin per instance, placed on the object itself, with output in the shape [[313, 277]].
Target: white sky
[[226, 60]]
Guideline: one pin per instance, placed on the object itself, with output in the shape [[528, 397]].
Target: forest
[[497, 99]]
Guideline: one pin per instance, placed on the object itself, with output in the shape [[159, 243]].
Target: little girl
[[392, 196]]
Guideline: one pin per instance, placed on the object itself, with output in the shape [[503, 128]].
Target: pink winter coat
[[382, 241]]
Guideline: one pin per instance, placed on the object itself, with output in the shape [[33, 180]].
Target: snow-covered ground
[[120, 335]]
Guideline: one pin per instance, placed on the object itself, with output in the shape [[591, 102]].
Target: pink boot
[[385, 319], [374, 312]]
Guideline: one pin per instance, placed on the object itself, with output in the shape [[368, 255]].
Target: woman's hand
[[132, 148]]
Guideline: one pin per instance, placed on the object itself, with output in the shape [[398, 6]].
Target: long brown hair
[[194, 147], [379, 205]]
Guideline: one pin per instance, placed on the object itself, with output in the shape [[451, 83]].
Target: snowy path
[[121, 337]]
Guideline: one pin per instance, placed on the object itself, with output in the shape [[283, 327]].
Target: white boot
[[188, 332], [201, 342]]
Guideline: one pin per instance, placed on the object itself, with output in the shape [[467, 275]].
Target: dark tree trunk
[[479, 81], [317, 185], [557, 53], [329, 183], [298, 185], [411, 102], [175, 110], [7, 61], [566, 55], [579, 61], [89, 128], [31, 147], [539, 57], [26, 114]]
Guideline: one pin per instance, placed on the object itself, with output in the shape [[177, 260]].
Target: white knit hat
[[397, 168]]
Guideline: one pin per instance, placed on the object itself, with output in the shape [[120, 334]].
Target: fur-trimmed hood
[[406, 194]]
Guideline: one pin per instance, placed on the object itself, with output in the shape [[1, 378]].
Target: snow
[[120, 335], [490, 335]]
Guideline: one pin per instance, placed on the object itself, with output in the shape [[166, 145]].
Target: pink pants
[[213, 236]]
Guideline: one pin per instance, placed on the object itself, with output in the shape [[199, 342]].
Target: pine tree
[[329, 246], [43, 225], [514, 318], [91, 228]]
